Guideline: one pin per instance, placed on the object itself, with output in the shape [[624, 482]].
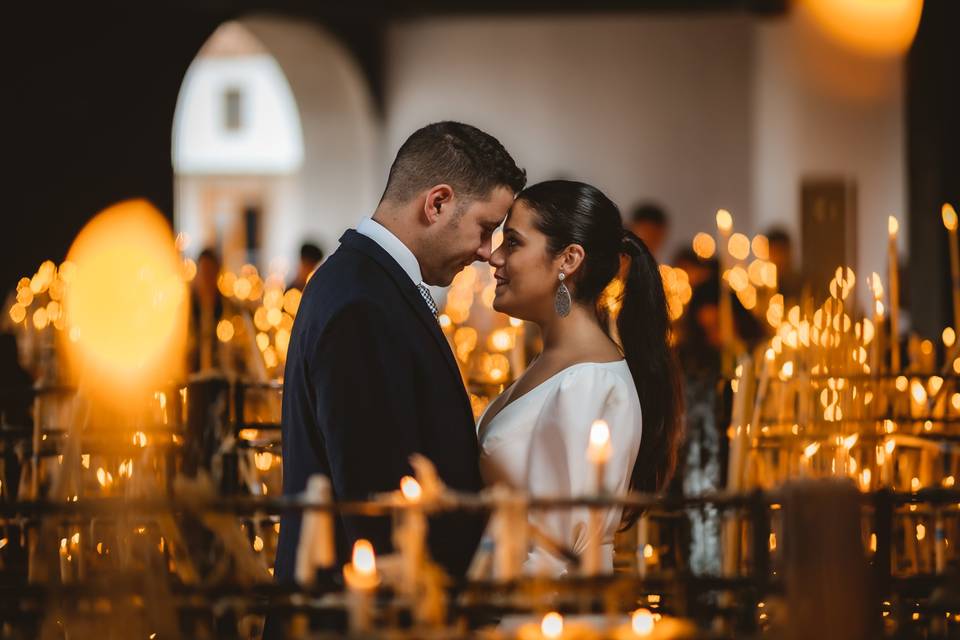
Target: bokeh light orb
[[126, 303], [871, 27]]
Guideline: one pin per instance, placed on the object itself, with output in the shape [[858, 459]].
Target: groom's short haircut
[[474, 163]]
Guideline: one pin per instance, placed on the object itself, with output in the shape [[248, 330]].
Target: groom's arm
[[366, 408]]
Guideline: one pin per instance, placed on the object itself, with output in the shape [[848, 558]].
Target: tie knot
[[425, 293]]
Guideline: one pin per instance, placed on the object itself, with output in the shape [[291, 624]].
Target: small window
[[232, 109]]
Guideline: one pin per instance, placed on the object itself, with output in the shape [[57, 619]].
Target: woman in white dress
[[564, 243]]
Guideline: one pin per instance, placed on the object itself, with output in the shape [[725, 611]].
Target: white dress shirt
[[392, 245]]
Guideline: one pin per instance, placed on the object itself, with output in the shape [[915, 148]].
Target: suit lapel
[[411, 294]]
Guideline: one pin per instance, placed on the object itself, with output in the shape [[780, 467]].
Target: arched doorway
[[275, 142]]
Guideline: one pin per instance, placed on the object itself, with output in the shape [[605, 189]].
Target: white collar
[[392, 245]]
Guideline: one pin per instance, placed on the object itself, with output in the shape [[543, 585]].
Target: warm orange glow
[[874, 27], [410, 489], [364, 561], [739, 246], [704, 246], [949, 337], [642, 622], [724, 220], [598, 451], [126, 298], [892, 226], [552, 625], [949, 215]]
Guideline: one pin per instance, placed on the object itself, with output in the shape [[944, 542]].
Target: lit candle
[[875, 352], [362, 580], [65, 573], [598, 453], [950, 222], [724, 226], [316, 547], [409, 534], [892, 227]]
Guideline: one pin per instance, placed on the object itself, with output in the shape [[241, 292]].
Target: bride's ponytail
[[577, 213], [644, 328]]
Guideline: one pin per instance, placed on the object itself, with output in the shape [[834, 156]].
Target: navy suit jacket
[[370, 380]]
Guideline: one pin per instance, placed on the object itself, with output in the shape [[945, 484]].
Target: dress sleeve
[[557, 465]]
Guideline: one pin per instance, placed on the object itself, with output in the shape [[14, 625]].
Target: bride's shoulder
[[595, 376]]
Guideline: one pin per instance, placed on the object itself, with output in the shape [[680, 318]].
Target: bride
[[563, 244]]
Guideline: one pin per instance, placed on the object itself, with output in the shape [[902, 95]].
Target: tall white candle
[[892, 227], [949, 216], [598, 453], [724, 227], [316, 545], [409, 535]]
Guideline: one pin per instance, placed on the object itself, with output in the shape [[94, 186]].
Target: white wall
[[822, 110], [269, 140], [641, 106]]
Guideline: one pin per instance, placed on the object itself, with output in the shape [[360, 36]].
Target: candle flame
[[724, 220], [599, 449], [364, 561], [642, 622], [411, 489], [552, 625], [892, 226], [949, 337], [949, 215]]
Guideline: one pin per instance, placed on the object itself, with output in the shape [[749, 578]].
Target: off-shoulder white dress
[[538, 442]]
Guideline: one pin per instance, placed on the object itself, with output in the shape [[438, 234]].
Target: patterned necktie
[[425, 292]]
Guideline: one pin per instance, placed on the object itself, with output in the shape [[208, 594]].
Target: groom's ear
[[436, 202]]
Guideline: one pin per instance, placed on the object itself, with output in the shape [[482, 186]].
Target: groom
[[370, 378]]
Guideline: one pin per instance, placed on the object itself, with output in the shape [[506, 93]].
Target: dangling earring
[[562, 302]]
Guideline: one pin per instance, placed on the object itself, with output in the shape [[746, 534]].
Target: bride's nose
[[497, 257]]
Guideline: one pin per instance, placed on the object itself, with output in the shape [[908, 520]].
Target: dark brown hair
[[466, 158]]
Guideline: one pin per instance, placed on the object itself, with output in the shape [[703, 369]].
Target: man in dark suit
[[370, 378]]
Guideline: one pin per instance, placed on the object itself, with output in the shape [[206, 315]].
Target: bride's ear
[[570, 259]]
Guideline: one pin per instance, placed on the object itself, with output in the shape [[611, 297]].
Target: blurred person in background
[[650, 223], [311, 255], [789, 281], [698, 270], [206, 309]]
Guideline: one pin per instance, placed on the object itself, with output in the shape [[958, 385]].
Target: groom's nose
[[483, 253]]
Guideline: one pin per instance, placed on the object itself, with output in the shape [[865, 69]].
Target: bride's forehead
[[520, 216]]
